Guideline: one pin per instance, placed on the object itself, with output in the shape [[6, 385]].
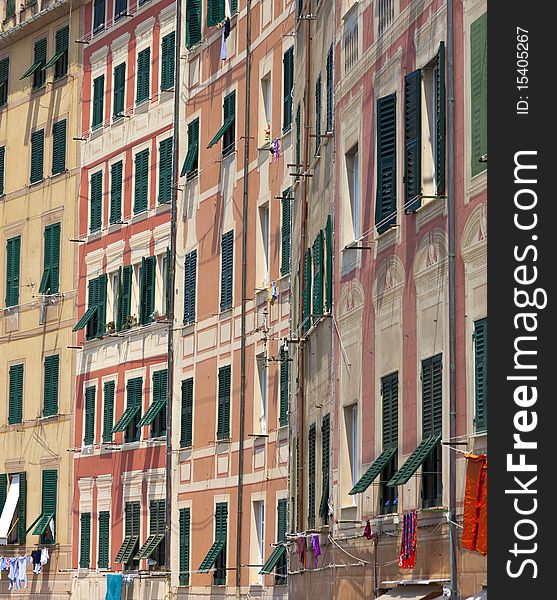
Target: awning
[[273, 560], [211, 557], [413, 592], [85, 318], [190, 159], [149, 546], [126, 418], [54, 60], [9, 509], [34, 67], [151, 413], [221, 131], [415, 460], [371, 474], [126, 549]]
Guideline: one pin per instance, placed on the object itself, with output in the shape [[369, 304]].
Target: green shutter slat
[[165, 170], [190, 285], [62, 46], [284, 381], [116, 177], [13, 255], [4, 82], [108, 410], [50, 484], [311, 476], [2, 160], [149, 546], [286, 232], [273, 560], [432, 395], [329, 265], [22, 510], [51, 262], [415, 460], [126, 549], [306, 292], [223, 420], [389, 393], [51, 377], [59, 147], [478, 92], [39, 62], [227, 268], [187, 413], [373, 472], [192, 157], [413, 141], [167, 61], [119, 100], [325, 454], [480, 374], [96, 201], [133, 406], [159, 398], [193, 22], [102, 281], [318, 114], [211, 557], [330, 76], [385, 208], [85, 543], [288, 83], [98, 102], [141, 181], [440, 126], [3, 490], [185, 523], [37, 156], [317, 277], [15, 401], [143, 75], [89, 429], [298, 139], [104, 540], [215, 12]]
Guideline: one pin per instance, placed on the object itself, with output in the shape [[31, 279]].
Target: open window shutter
[[108, 410], [329, 264], [190, 275], [306, 296], [92, 303], [478, 91], [13, 253], [227, 250], [116, 174], [284, 377], [50, 479], [185, 520], [168, 56], [102, 281], [215, 12], [2, 161], [59, 147], [54, 258], [223, 427], [413, 141], [317, 114], [298, 139], [385, 208], [311, 474], [330, 75], [282, 507], [440, 99], [286, 229], [318, 276], [389, 393], [125, 296], [432, 395], [148, 288], [221, 521], [193, 22], [22, 510], [480, 374], [3, 490], [288, 81], [187, 413], [325, 463]]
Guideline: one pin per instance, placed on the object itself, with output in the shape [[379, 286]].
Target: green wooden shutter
[[440, 100], [125, 297], [141, 181], [185, 521], [116, 178], [165, 170], [233, 6], [51, 377], [157, 517], [191, 161], [62, 46], [22, 510], [102, 281], [193, 22], [59, 147], [229, 135], [3, 490], [318, 277], [89, 429], [223, 420], [432, 395], [190, 284], [311, 476], [329, 265], [330, 76], [13, 254], [227, 268], [186, 434], [413, 141], [98, 102], [92, 324], [50, 280], [15, 401], [478, 92], [306, 292], [4, 80], [85, 541], [215, 12], [318, 114], [119, 98], [281, 519], [148, 266], [286, 232], [37, 156], [288, 83], [50, 483], [480, 374], [104, 540], [389, 394], [325, 463], [221, 521], [108, 410], [167, 61], [143, 75], [96, 201], [2, 167], [385, 208], [284, 381], [298, 139], [39, 75]]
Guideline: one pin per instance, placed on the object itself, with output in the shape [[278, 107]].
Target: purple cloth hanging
[[316, 547]]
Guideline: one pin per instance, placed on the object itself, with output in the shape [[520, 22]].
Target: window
[[288, 84], [13, 253], [385, 207], [98, 15], [59, 147], [264, 243], [103, 561], [165, 170], [95, 315], [353, 177], [132, 529], [2, 168], [147, 290], [317, 300], [119, 97], [223, 413], [143, 75], [389, 395], [45, 524], [215, 12], [129, 421], [228, 130], [116, 180], [330, 84], [89, 427], [349, 454], [37, 156], [326, 464], [311, 476], [50, 279], [186, 434], [285, 233], [306, 293], [120, 8], [156, 413], [281, 566], [298, 140], [15, 401], [50, 385], [124, 297], [480, 374], [10, 8], [190, 284], [13, 499], [284, 382], [190, 165], [385, 14], [108, 410], [317, 114], [155, 544], [167, 61], [261, 414], [221, 529], [96, 202], [193, 23], [227, 268], [350, 41], [141, 196], [329, 265], [39, 74], [85, 541], [478, 92], [265, 110], [4, 80], [98, 102], [259, 522], [185, 523], [60, 58]]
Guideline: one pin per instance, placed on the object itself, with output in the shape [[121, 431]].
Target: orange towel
[[474, 533]]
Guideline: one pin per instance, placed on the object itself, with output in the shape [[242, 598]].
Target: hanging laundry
[[316, 548], [367, 531], [36, 556], [272, 296], [301, 543], [274, 149], [113, 587], [407, 559], [17, 572], [268, 133], [225, 34], [44, 556], [474, 531]]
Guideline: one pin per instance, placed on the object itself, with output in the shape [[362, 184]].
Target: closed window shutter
[[148, 266], [187, 413], [98, 15], [59, 147], [119, 90], [317, 114], [37, 156], [96, 201], [108, 410], [22, 510], [432, 395], [223, 425], [325, 460], [227, 267], [89, 429], [389, 394], [329, 264], [102, 281], [4, 80], [233, 6], [306, 292], [285, 234], [143, 75], [193, 22], [3, 490], [167, 61], [413, 141], [39, 75], [104, 539], [157, 517], [13, 254], [318, 277], [284, 380], [116, 175], [15, 402], [141, 181], [440, 126], [281, 567], [50, 479], [165, 170], [2, 168], [221, 521], [478, 92], [385, 208], [229, 136], [480, 374], [190, 282], [288, 82], [51, 377], [62, 45], [98, 102], [330, 75], [92, 303], [185, 523], [311, 481], [215, 12], [125, 296], [54, 257], [85, 543], [298, 139]]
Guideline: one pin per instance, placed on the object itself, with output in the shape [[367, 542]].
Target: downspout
[[171, 267], [244, 292], [452, 299]]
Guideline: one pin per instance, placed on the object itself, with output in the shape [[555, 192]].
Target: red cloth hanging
[[407, 558], [474, 531]]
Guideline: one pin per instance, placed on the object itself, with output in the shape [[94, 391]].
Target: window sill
[[188, 329], [226, 313], [35, 183], [60, 81], [140, 216], [55, 175]]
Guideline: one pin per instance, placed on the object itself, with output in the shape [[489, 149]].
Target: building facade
[[40, 71]]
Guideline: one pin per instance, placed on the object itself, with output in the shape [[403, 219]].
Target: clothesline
[[17, 567]]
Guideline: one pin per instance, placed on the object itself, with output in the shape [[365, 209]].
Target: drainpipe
[[452, 299], [171, 267], [244, 293]]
